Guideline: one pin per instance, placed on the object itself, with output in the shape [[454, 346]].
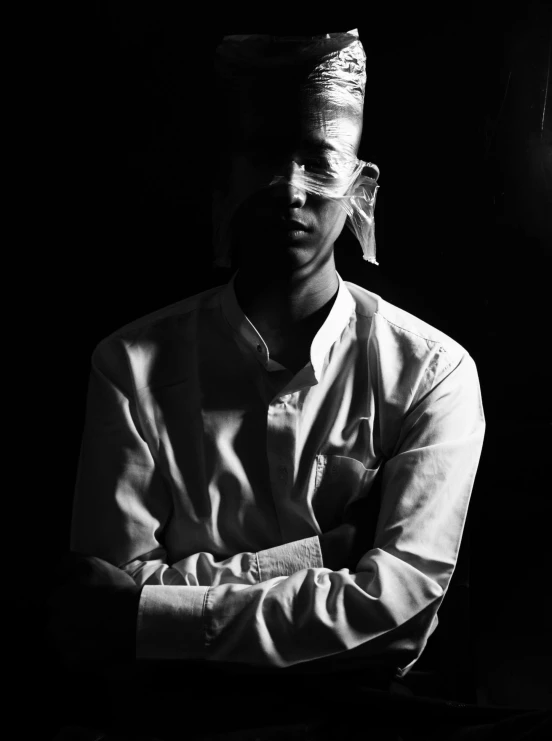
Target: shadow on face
[[278, 135]]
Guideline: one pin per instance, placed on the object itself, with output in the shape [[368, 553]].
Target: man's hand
[[93, 611], [344, 546]]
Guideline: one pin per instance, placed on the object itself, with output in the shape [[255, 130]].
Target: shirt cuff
[[287, 559], [170, 622]]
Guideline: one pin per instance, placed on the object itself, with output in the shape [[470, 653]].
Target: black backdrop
[[453, 118]]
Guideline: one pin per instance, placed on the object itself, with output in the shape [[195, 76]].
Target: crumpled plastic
[[336, 72]]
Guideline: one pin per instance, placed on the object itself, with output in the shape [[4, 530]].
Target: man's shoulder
[[164, 320], [155, 347], [406, 329]]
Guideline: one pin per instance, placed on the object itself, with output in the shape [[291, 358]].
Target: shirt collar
[[336, 321]]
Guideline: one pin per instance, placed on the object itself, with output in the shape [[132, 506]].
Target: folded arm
[[225, 610]]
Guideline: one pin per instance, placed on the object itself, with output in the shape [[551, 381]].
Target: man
[[225, 508]]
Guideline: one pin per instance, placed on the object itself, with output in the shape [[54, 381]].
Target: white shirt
[[208, 470]]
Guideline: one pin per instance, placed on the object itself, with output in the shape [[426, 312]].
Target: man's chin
[[280, 249], [280, 259]]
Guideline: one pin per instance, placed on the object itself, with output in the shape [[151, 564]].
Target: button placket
[[280, 450], [320, 466]]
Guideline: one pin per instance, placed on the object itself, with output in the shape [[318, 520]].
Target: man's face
[[282, 224]]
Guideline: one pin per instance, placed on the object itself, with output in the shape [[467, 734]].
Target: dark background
[[454, 120]]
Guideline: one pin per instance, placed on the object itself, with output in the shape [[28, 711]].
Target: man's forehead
[[313, 129], [314, 141], [307, 139]]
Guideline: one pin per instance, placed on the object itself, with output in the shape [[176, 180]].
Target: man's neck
[[292, 305]]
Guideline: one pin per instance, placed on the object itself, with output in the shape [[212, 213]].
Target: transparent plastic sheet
[[336, 65], [356, 193]]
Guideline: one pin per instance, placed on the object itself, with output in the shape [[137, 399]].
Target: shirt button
[[259, 348]]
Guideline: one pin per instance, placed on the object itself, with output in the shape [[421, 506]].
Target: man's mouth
[[291, 225]]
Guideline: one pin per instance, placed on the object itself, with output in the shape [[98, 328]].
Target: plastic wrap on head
[[334, 62], [333, 67]]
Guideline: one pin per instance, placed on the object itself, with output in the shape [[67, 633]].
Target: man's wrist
[[289, 558], [171, 622]]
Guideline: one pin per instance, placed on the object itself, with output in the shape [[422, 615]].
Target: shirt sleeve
[[122, 503], [389, 605]]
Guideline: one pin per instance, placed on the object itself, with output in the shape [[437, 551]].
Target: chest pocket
[[339, 483]]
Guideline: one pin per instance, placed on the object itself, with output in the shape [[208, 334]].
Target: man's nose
[[292, 189]]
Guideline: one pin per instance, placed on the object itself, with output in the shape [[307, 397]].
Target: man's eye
[[316, 163]]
